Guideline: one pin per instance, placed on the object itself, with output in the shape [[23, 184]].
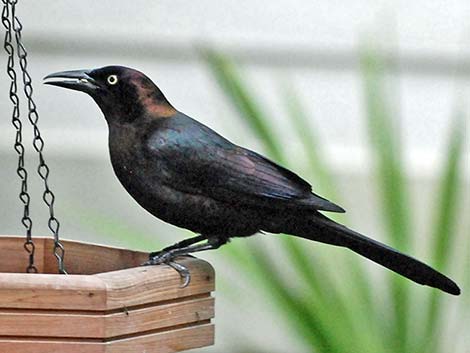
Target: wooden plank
[[159, 342], [142, 285], [130, 287], [33, 346], [85, 258], [13, 257], [164, 316], [104, 291], [41, 323], [165, 342], [45, 291], [80, 258]]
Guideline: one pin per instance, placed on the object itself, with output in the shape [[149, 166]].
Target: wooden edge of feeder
[[176, 340], [90, 258], [102, 291], [112, 325], [136, 309], [80, 257]]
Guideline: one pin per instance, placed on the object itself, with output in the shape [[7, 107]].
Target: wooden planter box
[[107, 303]]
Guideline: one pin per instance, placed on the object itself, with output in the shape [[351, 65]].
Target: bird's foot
[[183, 248], [166, 257], [155, 255], [158, 258]]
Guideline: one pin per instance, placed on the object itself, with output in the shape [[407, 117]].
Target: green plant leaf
[[362, 313], [324, 178], [444, 228], [383, 136]]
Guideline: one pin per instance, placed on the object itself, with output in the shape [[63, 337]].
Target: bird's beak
[[78, 80]]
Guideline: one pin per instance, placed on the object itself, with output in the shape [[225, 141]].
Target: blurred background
[[367, 100]]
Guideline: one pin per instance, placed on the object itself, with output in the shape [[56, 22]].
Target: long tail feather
[[324, 230]]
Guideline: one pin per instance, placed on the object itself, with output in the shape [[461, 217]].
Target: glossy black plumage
[[188, 175]]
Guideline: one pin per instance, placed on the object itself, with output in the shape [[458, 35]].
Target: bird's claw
[[161, 257], [183, 272]]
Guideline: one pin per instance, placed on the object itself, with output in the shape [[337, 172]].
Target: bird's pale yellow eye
[[112, 79]]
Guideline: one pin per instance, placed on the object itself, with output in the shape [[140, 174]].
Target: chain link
[[18, 146], [13, 25]]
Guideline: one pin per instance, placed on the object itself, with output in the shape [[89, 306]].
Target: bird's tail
[[324, 230]]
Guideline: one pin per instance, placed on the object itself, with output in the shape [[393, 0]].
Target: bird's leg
[[181, 244], [167, 256]]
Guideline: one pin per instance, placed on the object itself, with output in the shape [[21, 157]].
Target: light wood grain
[[104, 291], [80, 258], [13, 257], [83, 258], [42, 323], [148, 284], [160, 342], [189, 311], [45, 291], [167, 342]]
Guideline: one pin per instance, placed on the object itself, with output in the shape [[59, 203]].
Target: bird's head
[[123, 94]]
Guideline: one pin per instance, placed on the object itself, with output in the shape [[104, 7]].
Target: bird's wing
[[248, 173], [198, 160]]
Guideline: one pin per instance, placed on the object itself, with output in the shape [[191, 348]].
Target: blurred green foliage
[[345, 316]]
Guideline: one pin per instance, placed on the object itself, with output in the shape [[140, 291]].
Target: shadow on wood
[[107, 303]]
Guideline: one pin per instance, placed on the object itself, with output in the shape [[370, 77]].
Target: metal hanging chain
[[18, 146], [38, 143]]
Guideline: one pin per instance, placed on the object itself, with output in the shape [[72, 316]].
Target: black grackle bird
[[186, 174]]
